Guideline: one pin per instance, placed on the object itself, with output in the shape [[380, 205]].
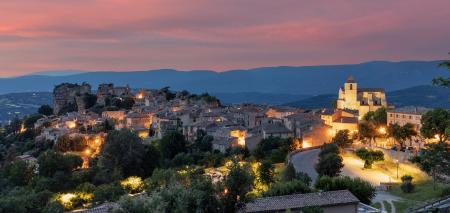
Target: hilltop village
[[150, 113], [115, 148]]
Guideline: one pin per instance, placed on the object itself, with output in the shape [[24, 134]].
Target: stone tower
[[348, 95]]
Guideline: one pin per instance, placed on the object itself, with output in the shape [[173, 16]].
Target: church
[[362, 100], [352, 104]]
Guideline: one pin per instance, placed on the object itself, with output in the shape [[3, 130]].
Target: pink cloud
[[215, 34]]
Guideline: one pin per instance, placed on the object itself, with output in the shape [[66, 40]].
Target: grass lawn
[[387, 206], [402, 206], [376, 205], [423, 192]]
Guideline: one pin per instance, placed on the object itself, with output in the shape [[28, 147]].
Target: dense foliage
[[363, 190], [342, 139], [369, 156], [436, 123], [330, 163], [274, 149]]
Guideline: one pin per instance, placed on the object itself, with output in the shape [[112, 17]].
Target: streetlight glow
[[382, 130]]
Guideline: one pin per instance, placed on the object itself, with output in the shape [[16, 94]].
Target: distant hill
[[306, 80], [426, 96], [258, 98], [20, 104]]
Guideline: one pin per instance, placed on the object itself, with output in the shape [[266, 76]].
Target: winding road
[[305, 161]]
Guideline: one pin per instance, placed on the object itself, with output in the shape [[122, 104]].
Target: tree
[[199, 196], [369, 156], [171, 144], [237, 183], [329, 148], [367, 130], [266, 173], [329, 165], [122, 154], [15, 126], [290, 174], [151, 160], [342, 138], [407, 186], [108, 192], [436, 123], [65, 144], [23, 200], [19, 172], [441, 81], [51, 162], [274, 148], [362, 189], [377, 117], [434, 160], [287, 188], [30, 120], [401, 133], [45, 110]]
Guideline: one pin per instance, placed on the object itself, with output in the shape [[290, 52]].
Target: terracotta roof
[[296, 201], [104, 208]]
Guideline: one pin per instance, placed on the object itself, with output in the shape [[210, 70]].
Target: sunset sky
[[40, 35]]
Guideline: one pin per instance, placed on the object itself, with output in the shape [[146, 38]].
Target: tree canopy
[[369, 156], [342, 138], [401, 133], [436, 123], [122, 154], [171, 144]]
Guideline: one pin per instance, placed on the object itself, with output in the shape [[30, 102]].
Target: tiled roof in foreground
[[297, 201], [104, 208]]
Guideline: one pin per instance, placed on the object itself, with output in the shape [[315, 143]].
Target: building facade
[[362, 100]]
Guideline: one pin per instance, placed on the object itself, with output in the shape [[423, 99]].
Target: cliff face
[[66, 94]]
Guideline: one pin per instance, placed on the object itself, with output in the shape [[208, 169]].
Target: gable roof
[[296, 201]]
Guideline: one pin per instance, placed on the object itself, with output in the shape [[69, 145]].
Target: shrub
[[86, 187], [132, 184], [329, 165], [407, 185], [445, 191], [369, 156], [287, 188], [363, 190], [329, 148], [108, 192]]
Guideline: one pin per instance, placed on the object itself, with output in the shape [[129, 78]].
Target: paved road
[[305, 161]]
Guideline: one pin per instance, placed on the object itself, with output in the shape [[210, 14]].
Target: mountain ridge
[[304, 80]]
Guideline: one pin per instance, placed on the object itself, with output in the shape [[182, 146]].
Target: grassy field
[[377, 205], [388, 206], [423, 193]]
